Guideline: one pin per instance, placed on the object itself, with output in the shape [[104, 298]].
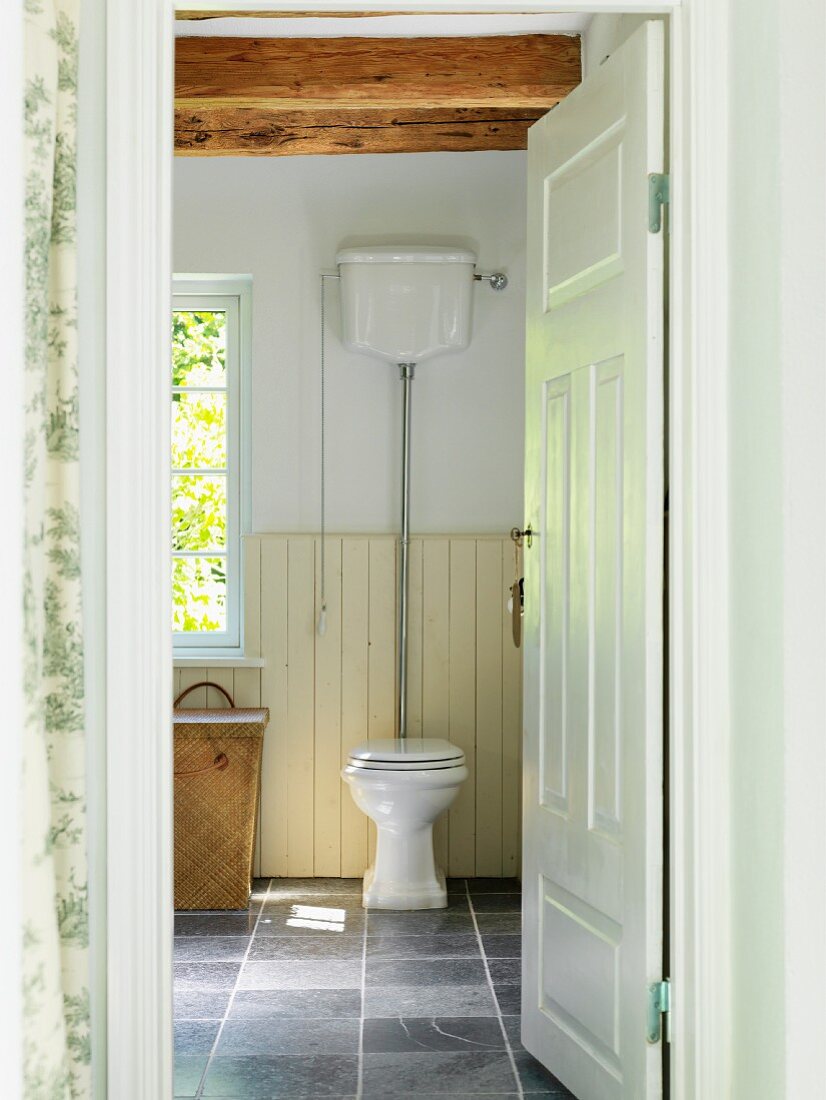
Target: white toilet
[[404, 304], [404, 785]]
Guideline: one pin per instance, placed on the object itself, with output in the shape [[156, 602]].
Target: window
[[210, 341]]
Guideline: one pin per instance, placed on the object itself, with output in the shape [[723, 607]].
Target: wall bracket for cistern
[[496, 280]]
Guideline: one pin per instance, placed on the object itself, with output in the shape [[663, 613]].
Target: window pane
[[199, 346], [199, 431], [199, 594], [199, 513]]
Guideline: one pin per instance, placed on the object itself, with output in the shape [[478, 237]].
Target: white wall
[[282, 220], [803, 349], [778, 544], [756, 553]]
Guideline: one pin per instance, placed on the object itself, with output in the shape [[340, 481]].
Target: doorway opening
[[471, 888], [615, 390]]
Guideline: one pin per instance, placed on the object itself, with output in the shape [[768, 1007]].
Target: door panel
[[580, 971], [604, 807], [555, 593], [593, 627]]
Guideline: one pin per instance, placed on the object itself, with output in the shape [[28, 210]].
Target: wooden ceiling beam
[[503, 71], [241, 131]]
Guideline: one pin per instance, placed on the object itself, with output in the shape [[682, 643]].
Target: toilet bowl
[[404, 785]]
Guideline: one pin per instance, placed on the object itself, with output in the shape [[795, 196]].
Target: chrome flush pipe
[[406, 373]]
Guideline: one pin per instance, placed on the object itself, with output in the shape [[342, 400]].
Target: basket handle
[[201, 684], [220, 762]]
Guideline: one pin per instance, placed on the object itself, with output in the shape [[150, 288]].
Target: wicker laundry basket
[[217, 770]]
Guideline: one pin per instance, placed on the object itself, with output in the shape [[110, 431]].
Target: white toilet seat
[[396, 766], [410, 754]]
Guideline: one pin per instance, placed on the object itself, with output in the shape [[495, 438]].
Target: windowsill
[[215, 660]]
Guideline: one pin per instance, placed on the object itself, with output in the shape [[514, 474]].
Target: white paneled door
[[593, 850]]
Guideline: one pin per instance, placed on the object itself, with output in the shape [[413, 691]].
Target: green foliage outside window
[[199, 444], [199, 431], [199, 588], [198, 348]]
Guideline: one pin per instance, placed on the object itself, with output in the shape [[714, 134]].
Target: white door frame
[[139, 674]]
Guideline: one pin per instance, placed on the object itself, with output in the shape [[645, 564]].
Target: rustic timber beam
[[503, 71], [242, 131]]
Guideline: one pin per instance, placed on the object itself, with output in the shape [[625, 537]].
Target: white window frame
[[231, 294]]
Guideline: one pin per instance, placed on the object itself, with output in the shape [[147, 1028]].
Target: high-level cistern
[[405, 305]]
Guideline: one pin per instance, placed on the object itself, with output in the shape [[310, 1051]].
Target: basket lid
[[232, 722]]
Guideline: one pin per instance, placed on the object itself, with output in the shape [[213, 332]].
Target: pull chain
[[322, 614]]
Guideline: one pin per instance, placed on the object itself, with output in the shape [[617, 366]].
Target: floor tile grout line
[[505, 1036], [199, 1092], [360, 1082]]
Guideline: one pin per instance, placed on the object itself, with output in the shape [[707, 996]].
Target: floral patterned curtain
[[55, 962]]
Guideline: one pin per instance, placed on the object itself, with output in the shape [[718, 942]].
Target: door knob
[[527, 535]]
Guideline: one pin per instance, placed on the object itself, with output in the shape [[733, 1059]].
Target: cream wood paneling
[[355, 660], [298, 756], [489, 602], [327, 783], [381, 668], [329, 692], [274, 771], [435, 674], [462, 701], [511, 734]]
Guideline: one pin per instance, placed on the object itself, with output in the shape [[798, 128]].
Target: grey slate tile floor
[[307, 995]]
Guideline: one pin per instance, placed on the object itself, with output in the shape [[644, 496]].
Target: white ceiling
[[391, 26]]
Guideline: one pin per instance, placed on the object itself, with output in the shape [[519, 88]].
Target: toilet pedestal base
[[400, 896], [404, 875]]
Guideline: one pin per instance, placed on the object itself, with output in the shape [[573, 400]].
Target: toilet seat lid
[[409, 754]]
